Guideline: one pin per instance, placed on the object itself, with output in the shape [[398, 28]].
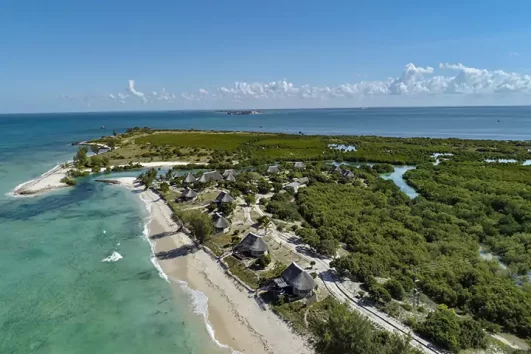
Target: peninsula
[[306, 228]]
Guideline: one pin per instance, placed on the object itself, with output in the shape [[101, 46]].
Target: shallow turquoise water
[[56, 296]]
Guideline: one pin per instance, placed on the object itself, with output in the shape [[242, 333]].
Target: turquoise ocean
[[56, 294]]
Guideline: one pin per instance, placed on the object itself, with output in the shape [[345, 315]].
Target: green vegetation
[[387, 239], [238, 269], [69, 181], [448, 331], [199, 224], [338, 330], [260, 148]]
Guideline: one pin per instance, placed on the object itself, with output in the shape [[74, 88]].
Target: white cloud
[[131, 89], [413, 81], [418, 83]]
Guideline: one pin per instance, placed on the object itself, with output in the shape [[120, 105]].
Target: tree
[[341, 331], [165, 187], [148, 178], [263, 261], [114, 133], [80, 159], [395, 289], [263, 186], [250, 199], [226, 208], [263, 221], [200, 225], [95, 148], [442, 328]]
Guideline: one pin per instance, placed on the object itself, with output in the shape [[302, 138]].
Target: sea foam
[[200, 307], [114, 257], [199, 299]]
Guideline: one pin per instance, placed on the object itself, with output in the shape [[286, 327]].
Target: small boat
[[102, 127]]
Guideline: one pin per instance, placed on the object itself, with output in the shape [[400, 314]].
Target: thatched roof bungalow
[[348, 174], [296, 281], [221, 225], [336, 169], [273, 169], [230, 178], [226, 173], [189, 179], [188, 194], [210, 176], [252, 246], [224, 197]]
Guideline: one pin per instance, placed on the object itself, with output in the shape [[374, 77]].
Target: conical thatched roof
[[348, 174], [253, 243], [230, 178], [273, 169], [298, 278], [337, 169], [220, 222], [188, 193], [210, 176], [228, 172], [190, 178], [224, 197]]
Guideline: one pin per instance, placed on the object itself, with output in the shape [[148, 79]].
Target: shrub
[[69, 181]]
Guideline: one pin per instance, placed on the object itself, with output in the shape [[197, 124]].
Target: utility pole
[[415, 291]]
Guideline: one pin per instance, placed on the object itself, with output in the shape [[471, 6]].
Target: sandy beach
[[51, 179], [46, 182], [237, 320]]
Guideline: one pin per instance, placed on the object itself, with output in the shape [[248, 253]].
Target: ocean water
[[56, 294]]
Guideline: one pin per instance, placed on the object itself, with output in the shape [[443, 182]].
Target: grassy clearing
[[214, 247], [205, 140], [295, 312], [238, 269]]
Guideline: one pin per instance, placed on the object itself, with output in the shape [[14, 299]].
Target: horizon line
[[257, 109]]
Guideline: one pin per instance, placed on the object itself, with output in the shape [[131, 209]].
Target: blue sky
[[79, 56]]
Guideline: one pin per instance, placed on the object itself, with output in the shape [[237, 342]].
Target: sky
[[58, 55]]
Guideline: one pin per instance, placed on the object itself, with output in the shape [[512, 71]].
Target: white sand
[[51, 180], [168, 163], [235, 316], [48, 181]]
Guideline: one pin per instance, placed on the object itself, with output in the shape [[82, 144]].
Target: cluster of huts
[[294, 282]]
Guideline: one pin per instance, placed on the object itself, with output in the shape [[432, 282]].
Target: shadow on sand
[[177, 252], [162, 235]]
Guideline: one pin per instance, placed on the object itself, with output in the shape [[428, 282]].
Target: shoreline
[[51, 179], [233, 318]]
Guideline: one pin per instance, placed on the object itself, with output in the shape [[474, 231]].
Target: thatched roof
[[302, 180], [337, 169], [348, 174], [253, 243], [228, 172], [298, 278], [210, 176], [188, 193], [190, 178], [230, 178], [273, 169], [224, 197], [220, 222], [298, 164]]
